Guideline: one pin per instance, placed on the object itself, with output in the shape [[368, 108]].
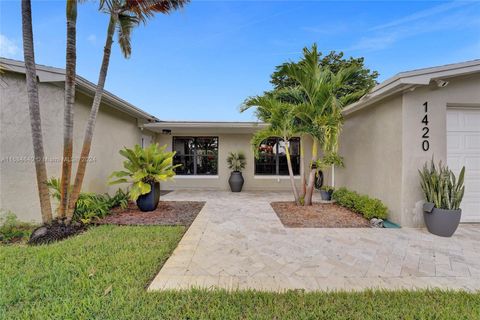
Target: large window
[[197, 155], [273, 159]]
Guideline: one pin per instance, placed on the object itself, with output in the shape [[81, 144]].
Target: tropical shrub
[[236, 161], [441, 187], [368, 207], [91, 206], [12, 230], [145, 166]]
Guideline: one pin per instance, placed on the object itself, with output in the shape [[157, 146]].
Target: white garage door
[[463, 149]]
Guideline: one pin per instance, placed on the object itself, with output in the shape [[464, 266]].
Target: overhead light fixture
[[167, 131], [441, 83]]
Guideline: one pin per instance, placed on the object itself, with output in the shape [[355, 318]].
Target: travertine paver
[[238, 242]]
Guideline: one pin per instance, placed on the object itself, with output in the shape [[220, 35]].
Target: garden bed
[[168, 213], [318, 215]]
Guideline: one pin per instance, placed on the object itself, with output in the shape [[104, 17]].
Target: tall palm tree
[[124, 16], [34, 110], [282, 123], [320, 101], [70, 74]]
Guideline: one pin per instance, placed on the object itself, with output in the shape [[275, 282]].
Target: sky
[[201, 62]]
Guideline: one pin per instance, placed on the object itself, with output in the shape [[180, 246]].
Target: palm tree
[[320, 100], [34, 109], [124, 16], [281, 119], [70, 74]]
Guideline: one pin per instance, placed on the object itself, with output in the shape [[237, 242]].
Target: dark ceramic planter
[[326, 195], [441, 222], [149, 201], [236, 181]]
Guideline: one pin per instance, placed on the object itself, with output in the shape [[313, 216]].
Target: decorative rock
[[376, 223]]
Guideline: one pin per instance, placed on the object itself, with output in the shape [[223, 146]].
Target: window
[[273, 160], [197, 155]]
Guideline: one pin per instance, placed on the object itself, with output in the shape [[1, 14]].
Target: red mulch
[[168, 213], [319, 215]]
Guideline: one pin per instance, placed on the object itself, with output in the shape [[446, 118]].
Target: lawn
[[102, 274]]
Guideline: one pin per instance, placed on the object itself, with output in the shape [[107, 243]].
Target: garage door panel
[[472, 141], [471, 120], [463, 149], [455, 141]]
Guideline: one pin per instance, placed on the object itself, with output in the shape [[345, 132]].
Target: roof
[[411, 79], [193, 127], [51, 74]]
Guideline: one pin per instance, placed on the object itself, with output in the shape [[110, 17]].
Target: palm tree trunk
[[34, 109], [302, 171], [87, 141], [290, 173], [71, 60], [311, 177]]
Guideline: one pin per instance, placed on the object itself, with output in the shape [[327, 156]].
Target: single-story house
[[388, 135]]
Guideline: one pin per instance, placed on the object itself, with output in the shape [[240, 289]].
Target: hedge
[[368, 207]]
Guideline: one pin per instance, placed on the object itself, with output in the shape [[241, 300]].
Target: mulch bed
[[168, 213], [319, 215]]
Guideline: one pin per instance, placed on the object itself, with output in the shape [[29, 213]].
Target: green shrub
[[12, 230], [368, 207], [91, 206]]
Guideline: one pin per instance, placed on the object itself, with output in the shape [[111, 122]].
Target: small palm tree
[[34, 109], [236, 161], [124, 16], [319, 98], [282, 123]]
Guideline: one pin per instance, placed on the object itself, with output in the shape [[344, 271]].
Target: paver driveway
[[238, 242]]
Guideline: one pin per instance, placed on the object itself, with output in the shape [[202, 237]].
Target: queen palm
[[34, 110], [320, 100], [124, 16], [70, 74], [282, 123]]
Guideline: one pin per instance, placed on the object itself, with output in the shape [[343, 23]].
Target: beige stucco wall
[[461, 91], [371, 144], [229, 143], [18, 191]]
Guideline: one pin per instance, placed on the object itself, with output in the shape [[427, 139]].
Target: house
[[387, 137]]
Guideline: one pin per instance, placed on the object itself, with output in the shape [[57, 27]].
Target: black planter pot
[[149, 201], [326, 195], [236, 181], [441, 222]]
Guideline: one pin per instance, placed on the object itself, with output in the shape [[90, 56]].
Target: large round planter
[[149, 201], [236, 181], [442, 222], [326, 195]]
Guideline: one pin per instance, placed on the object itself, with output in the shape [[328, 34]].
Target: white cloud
[[92, 39], [8, 48], [421, 22]]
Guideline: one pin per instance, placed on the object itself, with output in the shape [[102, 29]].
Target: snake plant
[[441, 187]]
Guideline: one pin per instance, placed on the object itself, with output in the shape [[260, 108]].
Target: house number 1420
[[425, 129]]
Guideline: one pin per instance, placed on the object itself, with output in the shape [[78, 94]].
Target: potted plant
[[145, 168], [236, 162], [326, 192], [443, 194]]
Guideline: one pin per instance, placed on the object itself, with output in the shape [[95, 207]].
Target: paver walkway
[[238, 242]]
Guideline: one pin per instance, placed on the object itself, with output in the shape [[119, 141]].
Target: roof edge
[[58, 75]]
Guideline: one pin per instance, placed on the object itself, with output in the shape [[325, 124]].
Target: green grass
[[68, 280]]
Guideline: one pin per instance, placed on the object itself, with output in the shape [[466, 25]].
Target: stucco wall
[[461, 91], [371, 144], [229, 143], [18, 191]]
